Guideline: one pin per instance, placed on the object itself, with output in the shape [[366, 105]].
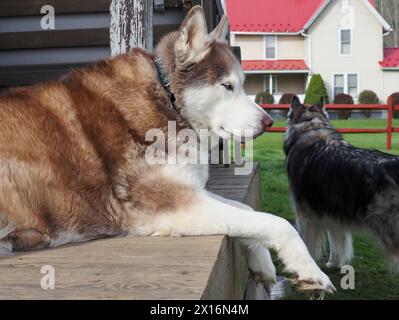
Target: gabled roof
[[282, 16], [274, 65], [391, 58], [271, 15]]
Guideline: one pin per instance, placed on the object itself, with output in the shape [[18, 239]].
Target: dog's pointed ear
[[221, 31], [295, 102], [191, 40], [322, 104]]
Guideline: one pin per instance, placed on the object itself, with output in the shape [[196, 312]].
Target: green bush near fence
[[368, 97], [264, 97], [316, 90], [395, 97]]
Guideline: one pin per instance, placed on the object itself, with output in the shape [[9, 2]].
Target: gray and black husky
[[337, 187]]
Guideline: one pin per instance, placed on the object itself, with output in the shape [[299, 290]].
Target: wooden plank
[[121, 268], [52, 56], [231, 186], [229, 276], [32, 7], [134, 268], [19, 76], [253, 193], [54, 38], [244, 180], [62, 22]]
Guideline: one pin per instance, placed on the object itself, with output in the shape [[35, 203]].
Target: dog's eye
[[228, 86]]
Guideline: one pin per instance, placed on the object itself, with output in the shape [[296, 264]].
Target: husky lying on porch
[[337, 187], [72, 154]]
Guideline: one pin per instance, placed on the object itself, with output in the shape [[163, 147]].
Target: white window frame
[[340, 42], [333, 83], [275, 46], [346, 82], [266, 83], [357, 84]]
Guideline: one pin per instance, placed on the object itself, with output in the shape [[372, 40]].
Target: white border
[[345, 74], [340, 44], [333, 83], [369, 6], [275, 47], [375, 13]]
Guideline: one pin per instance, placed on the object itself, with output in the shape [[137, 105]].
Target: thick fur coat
[[73, 163], [338, 187]]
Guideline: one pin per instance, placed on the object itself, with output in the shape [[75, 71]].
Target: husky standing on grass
[[337, 187], [73, 165]]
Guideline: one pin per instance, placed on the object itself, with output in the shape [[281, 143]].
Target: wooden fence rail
[[389, 107]]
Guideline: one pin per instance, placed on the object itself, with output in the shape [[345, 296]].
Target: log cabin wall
[[29, 54]]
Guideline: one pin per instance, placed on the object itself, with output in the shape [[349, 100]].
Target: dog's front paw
[[315, 282]]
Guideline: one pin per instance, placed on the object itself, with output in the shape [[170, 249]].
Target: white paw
[[314, 281]]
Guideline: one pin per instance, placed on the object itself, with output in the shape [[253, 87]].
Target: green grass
[[374, 278]]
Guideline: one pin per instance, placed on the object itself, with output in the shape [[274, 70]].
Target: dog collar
[[164, 79]]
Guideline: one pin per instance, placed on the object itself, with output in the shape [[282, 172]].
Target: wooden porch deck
[[141, 267]]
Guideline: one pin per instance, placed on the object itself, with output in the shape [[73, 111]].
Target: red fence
[[388, 107]]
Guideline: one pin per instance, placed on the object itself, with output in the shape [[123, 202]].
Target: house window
[[339, 84], [346, 42], [346, 83], [352, 85], [271, 44]]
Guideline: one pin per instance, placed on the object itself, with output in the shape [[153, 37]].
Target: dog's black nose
[[267, 122]]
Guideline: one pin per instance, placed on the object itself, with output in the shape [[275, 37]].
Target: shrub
[[264, 97], [316, 90], [343, 98], [368, 97], [286, 98], [395, 97]]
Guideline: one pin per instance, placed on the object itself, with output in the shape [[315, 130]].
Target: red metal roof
[[270, 15], [391, 58], [260, 65]]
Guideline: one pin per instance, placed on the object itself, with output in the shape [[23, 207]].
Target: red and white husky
[[73, 165]]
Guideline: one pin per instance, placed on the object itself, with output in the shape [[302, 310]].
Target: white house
[[284, 42]]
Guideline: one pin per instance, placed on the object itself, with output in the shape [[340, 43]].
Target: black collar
[[164, 79]]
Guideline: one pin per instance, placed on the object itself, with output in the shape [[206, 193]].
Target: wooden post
[[389, 128], [131, 25]]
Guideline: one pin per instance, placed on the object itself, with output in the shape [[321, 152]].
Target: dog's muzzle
[[267, 122]]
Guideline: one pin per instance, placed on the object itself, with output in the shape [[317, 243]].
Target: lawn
[[374, 278]]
